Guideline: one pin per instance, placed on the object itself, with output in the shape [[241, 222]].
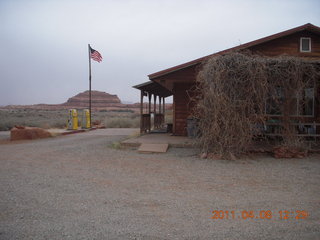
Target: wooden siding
[[182, 107], [179, 81], [317, 107], [290, 45], [187, 75]]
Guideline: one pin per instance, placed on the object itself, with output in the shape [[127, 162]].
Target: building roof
[[308, 27], [153, 88]]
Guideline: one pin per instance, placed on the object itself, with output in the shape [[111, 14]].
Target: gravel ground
[[4, 135], [81, 187]]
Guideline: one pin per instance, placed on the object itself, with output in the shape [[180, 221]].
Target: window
[[301, 104], [306, 102], [305, 44], [274, 102]]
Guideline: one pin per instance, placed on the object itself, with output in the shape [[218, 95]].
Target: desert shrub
[[32, 118], [116, 145], [135, 115], [124, 110], [5, 126], [122, 122], [232, 91], [58, 118]]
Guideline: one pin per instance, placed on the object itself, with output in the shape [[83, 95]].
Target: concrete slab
[[153, 148], [159, 138]]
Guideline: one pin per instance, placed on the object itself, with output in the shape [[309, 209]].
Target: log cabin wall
[[179, 81], [182, 107], [290, 45], [186, 75]]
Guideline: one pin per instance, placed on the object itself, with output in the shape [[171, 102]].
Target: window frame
[[305, 38], [313, 103], [298, 104]]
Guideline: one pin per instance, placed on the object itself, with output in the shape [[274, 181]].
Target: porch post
[[149, 95], [164, 110], [154, 111], [159, 104], [149, 106], [141, 111], [154, 104]]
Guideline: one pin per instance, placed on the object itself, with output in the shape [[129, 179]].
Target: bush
[[232, 90], [32, 118], [58, 118], [122, 123]]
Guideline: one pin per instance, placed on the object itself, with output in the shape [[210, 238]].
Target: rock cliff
[[98, 100]]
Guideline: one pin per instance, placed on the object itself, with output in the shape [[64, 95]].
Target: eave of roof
[[308, 26], [142, 85], [153, 88]]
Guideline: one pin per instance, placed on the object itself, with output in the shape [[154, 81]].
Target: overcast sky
[[44, 43]]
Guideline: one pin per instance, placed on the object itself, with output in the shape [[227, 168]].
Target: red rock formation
[[24, 133], [98, 100]]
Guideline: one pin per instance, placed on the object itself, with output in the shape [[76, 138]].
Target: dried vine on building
[[233, 92]]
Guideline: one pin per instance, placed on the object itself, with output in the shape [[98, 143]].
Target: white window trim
[[301, 50]]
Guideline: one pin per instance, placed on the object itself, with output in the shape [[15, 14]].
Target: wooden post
[[159, 104], [164, 110], [149, 95], [141, 111], [154, 110], [154, 104]]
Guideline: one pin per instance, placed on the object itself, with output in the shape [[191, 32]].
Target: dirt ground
[[82, 186]]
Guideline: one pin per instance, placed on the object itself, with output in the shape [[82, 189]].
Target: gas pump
[[86, 118], [72, 120]]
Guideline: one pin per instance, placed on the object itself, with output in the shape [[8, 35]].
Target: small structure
[[154, 91], [179, 81]]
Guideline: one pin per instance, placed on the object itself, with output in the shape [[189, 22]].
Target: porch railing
[[301, 129]]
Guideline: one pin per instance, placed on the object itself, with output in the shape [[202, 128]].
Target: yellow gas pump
[[86, 118], [73, 119]]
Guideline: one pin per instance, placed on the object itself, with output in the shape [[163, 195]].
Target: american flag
[[95, 55]]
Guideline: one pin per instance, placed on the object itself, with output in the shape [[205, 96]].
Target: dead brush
[[232, 93]]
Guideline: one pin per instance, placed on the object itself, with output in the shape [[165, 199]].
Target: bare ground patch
[[78, 187]]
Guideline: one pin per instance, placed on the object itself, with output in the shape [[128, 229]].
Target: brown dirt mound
[[25, 133]]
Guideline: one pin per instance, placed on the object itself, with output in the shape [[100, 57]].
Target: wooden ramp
[[153, 148]]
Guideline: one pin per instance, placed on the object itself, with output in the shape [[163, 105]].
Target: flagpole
[[89, 83]]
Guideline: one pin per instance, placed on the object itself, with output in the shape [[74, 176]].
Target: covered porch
[[152, 114]]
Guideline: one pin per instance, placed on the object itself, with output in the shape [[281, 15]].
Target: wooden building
[[302, 41]]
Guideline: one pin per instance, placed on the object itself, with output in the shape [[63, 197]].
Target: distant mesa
[[98, 100]]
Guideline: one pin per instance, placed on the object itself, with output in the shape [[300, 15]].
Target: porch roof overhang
[[153, 88]]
